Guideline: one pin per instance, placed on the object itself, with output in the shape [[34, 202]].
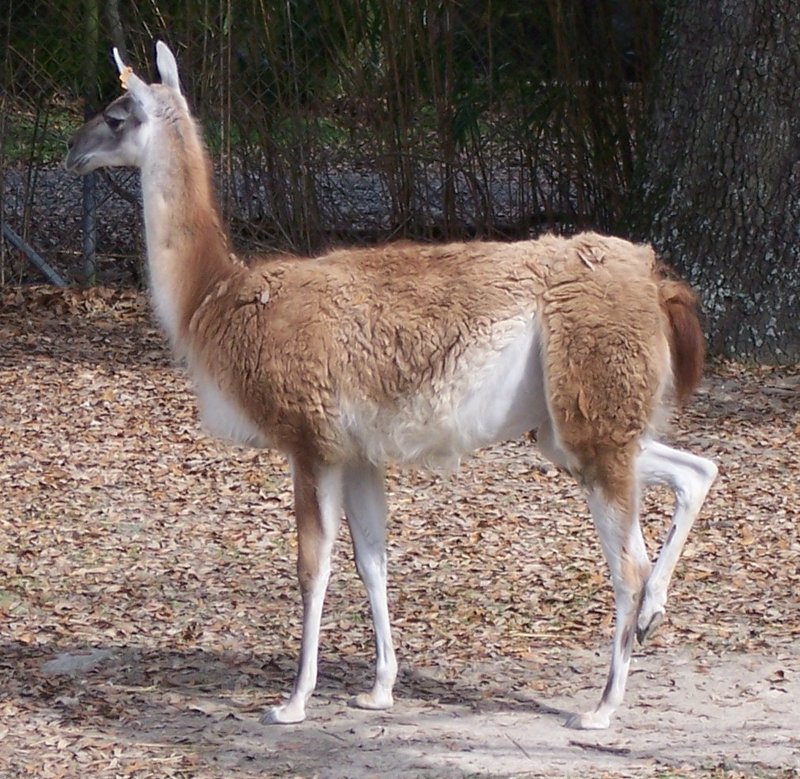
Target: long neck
[[186, 247]]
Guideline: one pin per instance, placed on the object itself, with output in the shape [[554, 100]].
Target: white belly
[[495, 395]]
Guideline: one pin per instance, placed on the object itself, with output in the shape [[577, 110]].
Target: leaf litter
[[148, 601]]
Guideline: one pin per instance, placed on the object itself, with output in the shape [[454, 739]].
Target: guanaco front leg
[[365, 508], [318, 506]]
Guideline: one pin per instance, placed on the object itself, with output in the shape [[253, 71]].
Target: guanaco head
[[120, 134]]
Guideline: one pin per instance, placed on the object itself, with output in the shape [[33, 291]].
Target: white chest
[[223, 417]]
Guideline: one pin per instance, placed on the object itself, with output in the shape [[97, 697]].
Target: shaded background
[[355, 119]]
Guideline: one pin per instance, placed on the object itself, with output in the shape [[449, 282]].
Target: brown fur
[[376, 324], [287, 337], [687, 344], [196, 227], [605, 356], [310, 533]]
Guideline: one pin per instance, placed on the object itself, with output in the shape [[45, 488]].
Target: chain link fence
[[330, 122]]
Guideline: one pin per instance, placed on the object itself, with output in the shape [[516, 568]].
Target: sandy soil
[[688, 713]]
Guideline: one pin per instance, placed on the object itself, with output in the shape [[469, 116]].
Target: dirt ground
[[148, 611], [688, 713]]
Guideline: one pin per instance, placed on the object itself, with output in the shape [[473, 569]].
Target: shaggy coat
[[398, 334]]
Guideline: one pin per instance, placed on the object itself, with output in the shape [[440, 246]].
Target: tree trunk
[[719, 190]]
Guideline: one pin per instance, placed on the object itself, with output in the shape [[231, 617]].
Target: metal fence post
[[89, 224], [89, 220]]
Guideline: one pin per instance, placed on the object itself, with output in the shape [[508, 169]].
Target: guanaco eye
[[114, 122]]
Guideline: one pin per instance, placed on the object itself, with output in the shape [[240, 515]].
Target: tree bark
[[719, 191]]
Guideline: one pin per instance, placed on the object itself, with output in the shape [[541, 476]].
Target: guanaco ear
[[167, 66], [138, 90]]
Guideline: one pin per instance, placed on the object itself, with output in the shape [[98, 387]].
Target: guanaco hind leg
[[623, 546], [365, 508], [690, 478], [318, 506], [640, 599]]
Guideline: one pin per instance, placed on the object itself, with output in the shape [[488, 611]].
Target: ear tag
[[124, 75]]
